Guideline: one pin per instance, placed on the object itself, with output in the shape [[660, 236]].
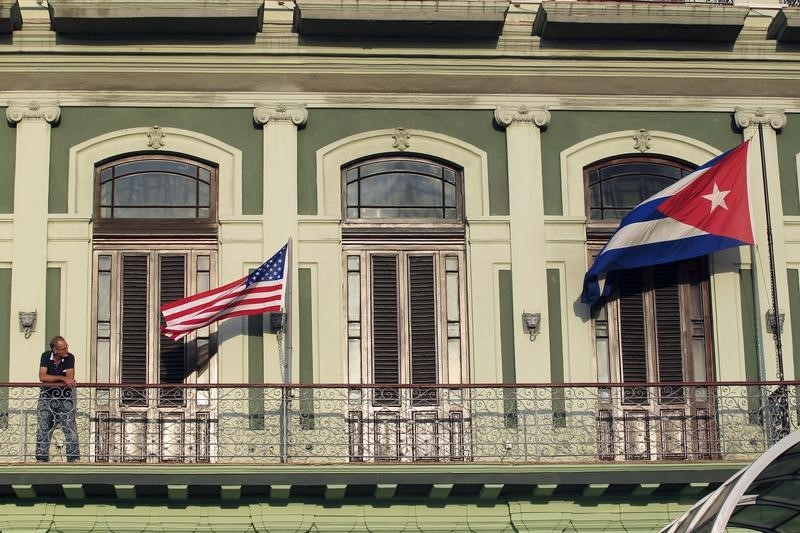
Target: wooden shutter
[[668, 323], [422, 303], [633, 341], [385, 324], [171, 353], [134, 319]]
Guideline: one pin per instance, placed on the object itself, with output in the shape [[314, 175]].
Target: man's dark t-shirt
[[49, 361]]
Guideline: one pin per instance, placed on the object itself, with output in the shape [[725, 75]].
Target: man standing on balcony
[[57, 403]]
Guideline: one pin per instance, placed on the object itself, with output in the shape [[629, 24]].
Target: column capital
[[506, 116], [297, 115], [746, 117], [48, 112]]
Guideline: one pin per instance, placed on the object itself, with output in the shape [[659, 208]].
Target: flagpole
[[287, 352], [776, 329]]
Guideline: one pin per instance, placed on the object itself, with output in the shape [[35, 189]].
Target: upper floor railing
[[298, 424]]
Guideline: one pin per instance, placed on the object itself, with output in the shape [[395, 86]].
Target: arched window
[[655, 327], [155, 193], [154, 241], [404, 255], [405, 188]]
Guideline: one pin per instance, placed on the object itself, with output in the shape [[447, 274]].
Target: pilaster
[[771, 120], [528, 264], [279, 219], [29, 241]]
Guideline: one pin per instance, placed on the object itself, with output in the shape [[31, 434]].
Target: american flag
[[260, 292]]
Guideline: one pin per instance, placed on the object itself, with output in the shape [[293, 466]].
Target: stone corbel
[[506, 116], [774, 118], [48, 112], [280, 113]]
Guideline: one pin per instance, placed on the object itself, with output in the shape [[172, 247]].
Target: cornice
[[33, 110], [297, 115], [506, 116], [355, 100], [774, 118]]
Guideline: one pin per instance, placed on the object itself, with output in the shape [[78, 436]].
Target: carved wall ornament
[[641, 140], [280, 113], [155, 137], [774, 118], [401, 139], [506, 116], [33, 111]]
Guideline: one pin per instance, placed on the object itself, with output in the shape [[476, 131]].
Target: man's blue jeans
[[51, 411]]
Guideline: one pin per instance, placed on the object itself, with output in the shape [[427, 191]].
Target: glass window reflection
[[401, 188]]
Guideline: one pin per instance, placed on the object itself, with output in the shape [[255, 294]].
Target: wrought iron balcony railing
[[364, 423]]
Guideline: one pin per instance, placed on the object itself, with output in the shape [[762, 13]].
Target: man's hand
[[71, 383]]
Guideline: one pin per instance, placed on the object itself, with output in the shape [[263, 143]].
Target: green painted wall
[[328, 125], [507, 327], [255, 369], [749, 337], [793, 276], [306, 350], [788, 148], [8, 147], [554, 325], [568, 128], [52, 323], [306, 347], [5, 323], [232, 126]]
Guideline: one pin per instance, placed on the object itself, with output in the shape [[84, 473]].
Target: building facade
[[445, 171]]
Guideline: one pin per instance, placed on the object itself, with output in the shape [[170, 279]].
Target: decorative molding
[[33, 111], [641, 140], [506, 116], [401, 139], [280, 113], [774, 118], [155, 137]]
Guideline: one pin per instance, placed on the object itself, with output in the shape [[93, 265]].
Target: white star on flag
[[717, 198]]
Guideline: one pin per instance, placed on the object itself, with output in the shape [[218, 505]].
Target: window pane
[[205, 175], [155, 189], [449, 195], [401, 190], [106, 174], [105, 194], [395, 165], [155, 165], [392, 212], [202, 194], [352, 194], [155, 212]]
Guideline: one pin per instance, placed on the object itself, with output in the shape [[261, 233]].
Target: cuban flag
[[706, 211]]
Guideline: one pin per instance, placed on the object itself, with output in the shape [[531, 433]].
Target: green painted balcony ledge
[[333, 482], [425, 19], [639, 21], [10, 16], [156, 17]]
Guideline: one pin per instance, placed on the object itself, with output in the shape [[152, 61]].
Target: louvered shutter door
[[385, 326], [134, 319], [422, 319], [171, 353], [633, 343], [668, 323]]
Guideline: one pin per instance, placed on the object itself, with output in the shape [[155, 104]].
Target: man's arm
[[68, 377]]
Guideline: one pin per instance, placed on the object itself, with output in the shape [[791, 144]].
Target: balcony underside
[[785, 26], [604, 21], [378, 482], [458, 19], [10, 16], [185, 17]]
